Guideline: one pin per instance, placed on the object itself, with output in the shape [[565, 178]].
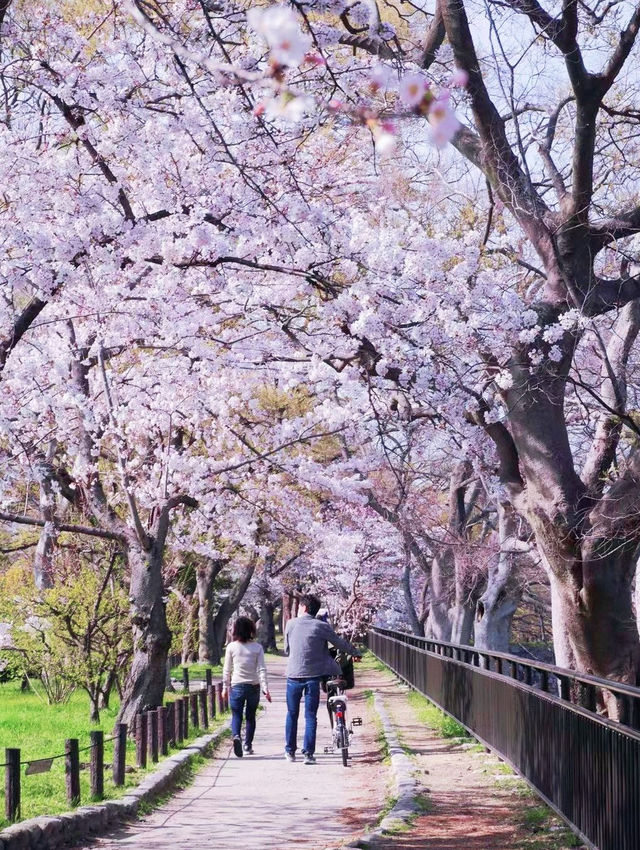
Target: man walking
[[305, 642]]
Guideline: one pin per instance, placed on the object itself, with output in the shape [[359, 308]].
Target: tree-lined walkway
[[262, 801]]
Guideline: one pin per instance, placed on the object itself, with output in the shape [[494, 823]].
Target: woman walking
[[243, 674]]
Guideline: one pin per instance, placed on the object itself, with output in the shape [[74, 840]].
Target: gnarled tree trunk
[[500, 600], [144, 688], [208, 572]]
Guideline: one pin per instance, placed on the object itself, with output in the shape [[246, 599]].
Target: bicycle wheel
[[344, 745]]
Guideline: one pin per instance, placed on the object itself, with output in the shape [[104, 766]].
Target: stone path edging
[[405, 807], [50, 832]]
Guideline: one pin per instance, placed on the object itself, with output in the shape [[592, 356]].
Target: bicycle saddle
[[336, 683]]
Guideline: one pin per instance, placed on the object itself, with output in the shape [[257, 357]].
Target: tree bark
[[417, 625], [228, 607], [500, 600], [266, 634], [144, 688], [43, 561], [191, 610], [207, 573]]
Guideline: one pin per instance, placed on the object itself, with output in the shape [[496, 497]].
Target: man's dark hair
[[311, 603], [244, 629]]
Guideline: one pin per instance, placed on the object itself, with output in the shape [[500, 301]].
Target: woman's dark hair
[[244, 629]]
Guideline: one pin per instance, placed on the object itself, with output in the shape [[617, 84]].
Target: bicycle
[[337, 708]]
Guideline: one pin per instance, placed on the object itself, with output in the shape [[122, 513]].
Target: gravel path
[[262, 801]]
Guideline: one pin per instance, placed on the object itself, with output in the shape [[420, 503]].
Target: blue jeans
[[295, 689], [239, 697]]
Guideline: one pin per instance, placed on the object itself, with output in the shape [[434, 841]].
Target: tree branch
[[73, 529]]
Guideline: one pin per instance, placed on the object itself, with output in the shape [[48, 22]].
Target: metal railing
[[543, 721]]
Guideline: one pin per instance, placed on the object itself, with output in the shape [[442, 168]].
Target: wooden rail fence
[[154, 731]]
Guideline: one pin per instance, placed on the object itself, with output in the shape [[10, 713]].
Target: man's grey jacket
[[305, 642]]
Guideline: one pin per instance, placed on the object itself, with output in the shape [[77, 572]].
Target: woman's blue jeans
[[239, 697], [295, 689]]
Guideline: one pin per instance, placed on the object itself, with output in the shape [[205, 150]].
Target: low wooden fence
[[155, 731], [543, 721]]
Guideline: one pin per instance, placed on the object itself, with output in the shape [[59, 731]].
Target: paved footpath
[[263, 801]]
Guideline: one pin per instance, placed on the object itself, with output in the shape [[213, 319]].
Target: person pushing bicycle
[[306, 642]]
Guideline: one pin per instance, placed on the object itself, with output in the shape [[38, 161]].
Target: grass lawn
[[39, 731], [197, 672]]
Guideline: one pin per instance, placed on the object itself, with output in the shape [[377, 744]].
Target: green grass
[[431, 716], [39, 731], [197, 671], [544, 830]]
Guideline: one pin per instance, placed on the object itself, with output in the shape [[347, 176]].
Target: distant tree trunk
[[417, 626], [207, 574], [439, 621], [188, 638], [43, 567], [266, 626], [500, 600], [228, 607], [289, 608], [105, 691]]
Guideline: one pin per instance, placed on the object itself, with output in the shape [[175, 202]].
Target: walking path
[[470, 799], [263, 801]]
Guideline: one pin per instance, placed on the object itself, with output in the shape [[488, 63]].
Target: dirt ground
[[470, 799]]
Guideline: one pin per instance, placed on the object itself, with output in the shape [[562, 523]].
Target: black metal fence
[[543, 721]]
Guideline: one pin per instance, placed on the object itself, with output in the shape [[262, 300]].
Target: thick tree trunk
[[439, 622], [205, 580], [43, 567], [266, 634], [461, 616], [417, 626], [144, 688], [594, 624], [267, 627], [500, 600], [188, 638], [226, 610]]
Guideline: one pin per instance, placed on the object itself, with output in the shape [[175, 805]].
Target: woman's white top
[[248, 665]]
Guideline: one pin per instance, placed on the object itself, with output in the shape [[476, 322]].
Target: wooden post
[[97, 764], [179, 720], [207, 675], [120, 754], [218, 687], [202, 704], [185, 717], [170, 724], [193, 705], [152, 735], [12, 785], [141, 740], [211, 699], [185, 679], [163, 730], [72, 770]]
